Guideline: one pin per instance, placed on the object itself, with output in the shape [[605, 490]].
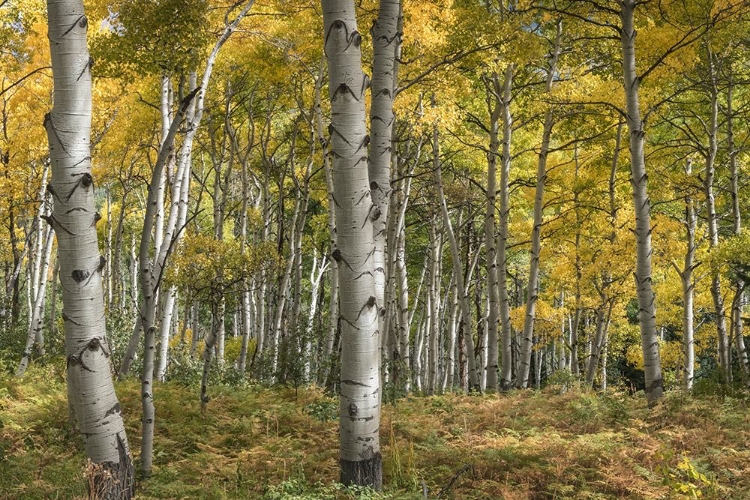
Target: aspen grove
[[374, 212]]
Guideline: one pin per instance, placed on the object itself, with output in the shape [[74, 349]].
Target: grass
[[282, 444]]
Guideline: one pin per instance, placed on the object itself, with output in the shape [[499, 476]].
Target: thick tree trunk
[[360, 458], [642, 204], [90, 386]]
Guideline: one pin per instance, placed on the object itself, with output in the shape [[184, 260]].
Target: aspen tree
[[502, 237], [495, 110], [688, 286], [386, 39], [712, 149], [733, 151], [527, 336], [360, 458], [642, 204], [458, 271], [74, 217]]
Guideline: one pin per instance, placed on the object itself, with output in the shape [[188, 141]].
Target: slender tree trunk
[[360, 458], [493, 292], [386, 39], [90, 386], [458, 271], [316, 278], [506, 376], [434, 306], [53, 298], [333, 308], [37, 318], [108, 266], [688, 287], [739, 339], [603, 314], [449, 370], [642, 204], [168, 307], [713, 223], [527, 337], [150, 278]]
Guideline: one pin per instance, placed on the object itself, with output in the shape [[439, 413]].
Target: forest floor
[[281, 443]]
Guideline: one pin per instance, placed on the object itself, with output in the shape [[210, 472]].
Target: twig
[[453, 479]]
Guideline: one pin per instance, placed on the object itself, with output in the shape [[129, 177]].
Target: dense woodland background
[[538, 156]]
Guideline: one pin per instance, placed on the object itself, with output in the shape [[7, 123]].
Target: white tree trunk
[[333, 308], [688, 287], [150, 278], [493, 291], [502, 238], [642, 204], [316, 277], [360, 458], [473, 376], [37, 318], [166, 322], [386, 39], [449, 370], [433, 330], [527, 337], [713, 224], [737, 217], [87, 351]]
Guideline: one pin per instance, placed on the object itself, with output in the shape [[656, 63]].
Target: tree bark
[[527, 337], [642, 204], [495, 109], [90, 386], [713, 222], [37, 319], [506, 376], [386, 39], [458, 271], [360, 458]]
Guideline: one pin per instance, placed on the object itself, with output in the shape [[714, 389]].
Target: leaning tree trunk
[[150, 277], [90, 386], [642, 205], [360, 458]]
